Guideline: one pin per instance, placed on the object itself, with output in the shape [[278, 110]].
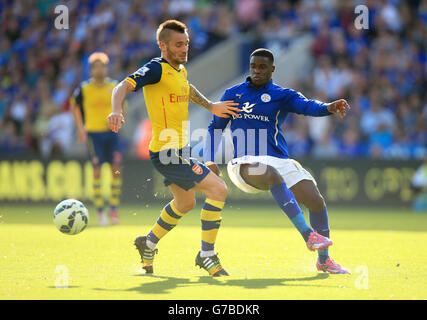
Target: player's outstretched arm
[[339, 107], [222, 109], [116, 119], [299, 104]]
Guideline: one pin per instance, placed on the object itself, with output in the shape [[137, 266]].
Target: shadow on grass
[[165, 284]]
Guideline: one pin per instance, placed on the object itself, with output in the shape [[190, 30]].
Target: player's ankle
[[150, 244], [208, 253]]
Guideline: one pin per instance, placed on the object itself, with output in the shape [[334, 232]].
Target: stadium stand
[[381, 71]]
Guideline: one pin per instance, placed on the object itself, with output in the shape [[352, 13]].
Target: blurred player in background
[[90, 106], [419, 186], [265, 106], [167, 93]]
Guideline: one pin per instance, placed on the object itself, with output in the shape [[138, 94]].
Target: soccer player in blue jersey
[[264, 164]]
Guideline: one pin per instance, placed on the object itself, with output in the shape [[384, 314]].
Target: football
[[71, 216]]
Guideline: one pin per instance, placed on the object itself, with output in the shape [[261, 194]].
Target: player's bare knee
[[218, 192], [189, 206], [185, 205], [222, 191]]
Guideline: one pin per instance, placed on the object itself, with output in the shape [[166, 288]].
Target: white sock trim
[[205, 254], [151, 245]]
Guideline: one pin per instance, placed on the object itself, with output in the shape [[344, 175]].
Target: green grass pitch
[[265, 256]]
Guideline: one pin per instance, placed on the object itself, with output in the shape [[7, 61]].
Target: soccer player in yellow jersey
[[167, 93], [91, 105]]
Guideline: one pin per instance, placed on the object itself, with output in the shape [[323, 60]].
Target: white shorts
[[290, 170]]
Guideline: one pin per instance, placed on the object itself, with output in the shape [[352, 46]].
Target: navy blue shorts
[[177, 167], [104, 147]]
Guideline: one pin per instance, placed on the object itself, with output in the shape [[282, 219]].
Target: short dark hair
[[262, 52], [163, 32]]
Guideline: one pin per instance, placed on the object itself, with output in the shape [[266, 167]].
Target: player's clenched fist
[[115, 121]]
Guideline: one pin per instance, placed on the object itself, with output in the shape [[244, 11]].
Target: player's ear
[[162, 45], [273, 68]]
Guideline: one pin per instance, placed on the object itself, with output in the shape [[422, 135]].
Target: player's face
[[261, 70], [98, 70], [177, 48]]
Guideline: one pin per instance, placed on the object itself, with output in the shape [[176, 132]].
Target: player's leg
[[215, 190], [307, 193], [98, 200], [96, 157], [266, 177], [115, 158], [183, 201], [116, 190], [188, 174]]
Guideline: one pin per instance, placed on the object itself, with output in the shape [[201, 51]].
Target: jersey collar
[[165, 61], [250, 85], [92, 81]]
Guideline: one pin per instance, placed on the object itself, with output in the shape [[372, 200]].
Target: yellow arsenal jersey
[[166, 93], [95, 103]]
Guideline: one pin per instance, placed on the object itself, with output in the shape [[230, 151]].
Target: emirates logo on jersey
[[197, 169], [174, 98]]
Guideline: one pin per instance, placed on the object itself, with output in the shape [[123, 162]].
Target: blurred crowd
[[381, 70], [41, 65]]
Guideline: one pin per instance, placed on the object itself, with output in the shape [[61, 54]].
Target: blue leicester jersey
[[256, 131]]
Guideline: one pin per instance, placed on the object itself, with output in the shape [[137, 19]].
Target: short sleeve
[[77, 96], [150, 73]]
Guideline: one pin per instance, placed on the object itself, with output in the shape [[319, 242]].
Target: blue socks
[[319, 222], [301, 225], [287, 202]]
